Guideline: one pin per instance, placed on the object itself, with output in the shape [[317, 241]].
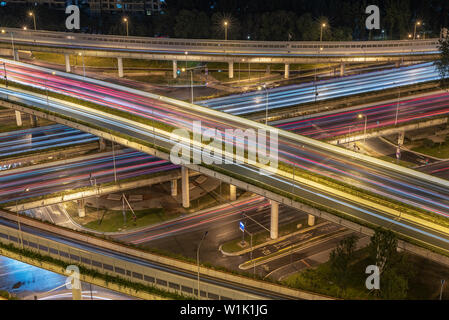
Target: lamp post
[[323, 25], [31, 14], [226, 29], [125, 20], [266, 102], [360, 116], [84, 67], [46, 85], [418, 23], [191, 82], [198, 262]]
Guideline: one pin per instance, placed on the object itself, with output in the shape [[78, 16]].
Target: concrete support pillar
[[16, 55], [287, 71], [67, 63], [120, 67], [231, 70], [102, 144], [342, 70], [175, 69], [398, 64], [81, 208], [232, 192], [33, 120], [185, 187], [174, 188], [76, 293], [18, 118], [274, 226], [268, 70], [311, 220], [401, 137]]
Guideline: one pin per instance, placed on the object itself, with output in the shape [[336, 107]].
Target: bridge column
[[15, 54], [175, 69], [232, 192], [185, 187], [102, 144], [120, 67], [18, 118], [33, 120], [311, 220], [174, 188], [287, 71], [67, 63], [401, 137], [274, 226], [81, 208], [231, 70], [342, 70], [76, 293]]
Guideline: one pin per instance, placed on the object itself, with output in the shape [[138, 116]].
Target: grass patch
[[113, 220], [401, 162], [99, 62], [436, 151], [319, 279]]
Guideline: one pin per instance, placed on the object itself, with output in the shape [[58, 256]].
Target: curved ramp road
[[15, 143], [81, 172], [382, 178], [322, 90]]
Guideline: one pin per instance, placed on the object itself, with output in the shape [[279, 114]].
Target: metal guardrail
[[204, 46]]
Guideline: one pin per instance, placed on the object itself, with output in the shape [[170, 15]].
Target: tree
[[442, 63], [394, 268], [341, 258]]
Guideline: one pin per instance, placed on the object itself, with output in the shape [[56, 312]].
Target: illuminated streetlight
[[125, 20], [226, 29], [84, 67], [417, 24], [323, 25], [361, 116], [31, 14], [25, 28]]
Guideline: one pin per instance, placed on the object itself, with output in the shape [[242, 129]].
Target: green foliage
[[442, 63], [340, 260], [395, 270]]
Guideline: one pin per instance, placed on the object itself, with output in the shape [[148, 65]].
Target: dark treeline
[[255, 19]]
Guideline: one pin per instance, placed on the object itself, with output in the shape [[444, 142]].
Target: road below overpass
[[287, 96], [16, 143], [26, 183], [409, 188]]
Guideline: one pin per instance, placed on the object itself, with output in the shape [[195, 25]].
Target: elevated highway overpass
[[203, 50], [145, 121]]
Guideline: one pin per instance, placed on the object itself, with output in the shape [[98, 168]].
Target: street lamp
[[125, 20], [31, 14], [409, 35], [266, 102], [25, 28], [417, 24], [191, 81], [226, 29], [84, 67], [46, 85], [361, 116], [198, 262], [323, 25]]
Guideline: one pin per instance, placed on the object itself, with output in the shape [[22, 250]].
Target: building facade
[[99, 6]]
